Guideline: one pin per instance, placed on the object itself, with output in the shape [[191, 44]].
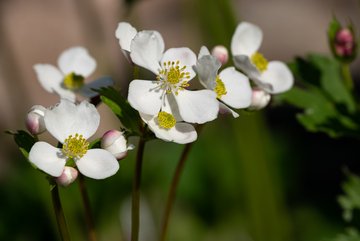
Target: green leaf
[[351, 199], [128, 116], [351, 234], [24, 140]]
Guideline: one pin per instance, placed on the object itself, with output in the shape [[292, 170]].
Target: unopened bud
[[259, 99], [115, 142], [221, 53], [67, 177], [35, 120], [344, 43]]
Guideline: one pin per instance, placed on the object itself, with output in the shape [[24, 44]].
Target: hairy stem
[[59, 213], [86, 202], [135, 209]]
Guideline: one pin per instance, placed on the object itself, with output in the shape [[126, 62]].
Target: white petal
[[197, 106], [146, 50], [66, 94], [47, 158], [181, 133], [145, 96], [246, 39], [77, 60], [171, 106], [237, 87], [87, 90], [68, 118], [98, 164], [125, 33], [207, 69], [49, 76], [186, 57], [224, 109], [278, 76], [244, 63], [203, 51]]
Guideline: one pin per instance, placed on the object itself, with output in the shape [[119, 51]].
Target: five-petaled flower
[[232, 88], [72, 125], [75, 65], [173, 70], [274, 76]]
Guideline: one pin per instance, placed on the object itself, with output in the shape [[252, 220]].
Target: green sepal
[[128, 116], [95, 143]]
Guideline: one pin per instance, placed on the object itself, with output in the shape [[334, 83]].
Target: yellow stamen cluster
[[173, 78], [219, 89], [73, 81], [259, 61], [75, 146], [166, 120]]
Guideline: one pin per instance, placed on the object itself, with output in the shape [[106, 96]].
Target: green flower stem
[[173, 188], [348, 81], [86, 202], [135, 209], [136, 72], [59, 213]]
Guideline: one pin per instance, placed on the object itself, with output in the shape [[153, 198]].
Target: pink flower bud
[[344, 43], [221, 53], [35, 120], [259, 99], [67, 177], [114, 142]]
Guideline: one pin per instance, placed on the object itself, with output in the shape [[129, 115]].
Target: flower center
[[166, 120], [172, 77], [259, 61], [75, 146], [220, 89], [73, 81]]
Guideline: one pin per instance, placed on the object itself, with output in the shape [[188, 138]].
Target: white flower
[[168, 125], [173, 70], [125, 34], [72, 125], [274, 76], [232, 88], [35, 120], [75, 65]]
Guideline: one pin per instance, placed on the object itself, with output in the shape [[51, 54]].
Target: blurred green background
[[260, 177]]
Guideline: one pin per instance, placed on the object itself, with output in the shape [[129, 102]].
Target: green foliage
[[351, 199], [129, 117], [350, 235], [328, 106], [24, 141]]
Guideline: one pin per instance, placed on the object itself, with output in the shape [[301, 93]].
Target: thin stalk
[[59, 213], [86, 202], [174, 185], [348, 81], [135, 209]]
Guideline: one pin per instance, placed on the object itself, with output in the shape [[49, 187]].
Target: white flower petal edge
[[243, 63], [203, 52], [125, 33], [246, 39], [146, 50], [47, 158], [49, 76], [207, 69], [181, 133], [67, 118], [224, 109], [185, 56], [87, 90], [145, 96], [77, 60], [237, 87], [98, 164], [198, 106], [278, 76]]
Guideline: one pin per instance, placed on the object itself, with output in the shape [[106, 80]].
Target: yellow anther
[[75, 146], [166, 120], [172, 77], [219, 89], [73, 81], [259, 61]]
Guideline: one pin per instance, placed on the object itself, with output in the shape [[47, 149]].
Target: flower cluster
[[170, 105]]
